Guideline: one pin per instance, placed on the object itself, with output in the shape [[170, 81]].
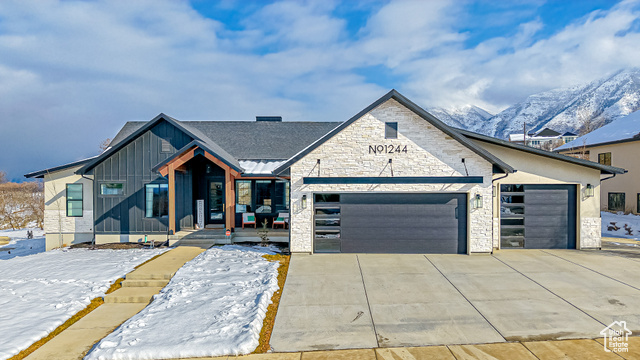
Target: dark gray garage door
[[403, 223], [538, 216]]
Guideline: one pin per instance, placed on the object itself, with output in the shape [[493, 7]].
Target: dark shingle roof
[[252, 139], [547, 132]]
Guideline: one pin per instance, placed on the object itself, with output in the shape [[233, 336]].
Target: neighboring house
[[544, 139], [616, 144], [392, 179]]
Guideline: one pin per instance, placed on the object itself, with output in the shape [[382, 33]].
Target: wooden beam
[[216, 161], [232, 207], [229, 215], [177, 162], [172, 199]]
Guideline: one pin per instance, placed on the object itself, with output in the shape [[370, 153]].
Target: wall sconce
[[477, 201], [304, 201], [588, 191]]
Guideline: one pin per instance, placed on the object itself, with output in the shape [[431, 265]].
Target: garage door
[[392, 223], [538, 216]]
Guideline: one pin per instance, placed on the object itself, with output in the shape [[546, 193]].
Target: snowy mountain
[[468, 117], [567, 109]]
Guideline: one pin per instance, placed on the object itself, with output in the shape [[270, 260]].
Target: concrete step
[[150, 276], [132, 295], [145, 283]]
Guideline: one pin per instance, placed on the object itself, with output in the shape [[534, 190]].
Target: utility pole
[[524, 133]]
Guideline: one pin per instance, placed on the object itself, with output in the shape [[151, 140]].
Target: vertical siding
[[132, 166]]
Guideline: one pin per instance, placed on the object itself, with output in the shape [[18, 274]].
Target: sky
[[73, 72]]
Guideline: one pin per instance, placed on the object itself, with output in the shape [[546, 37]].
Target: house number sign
[[387, 149]]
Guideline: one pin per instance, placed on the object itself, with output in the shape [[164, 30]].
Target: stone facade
[[590, 232], [429, 152]]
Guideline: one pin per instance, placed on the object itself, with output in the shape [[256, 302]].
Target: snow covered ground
[[632, 221], [214, 305], [41, 291], [20, 245]]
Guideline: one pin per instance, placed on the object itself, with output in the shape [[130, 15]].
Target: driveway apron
[[323, 306], [519, 308]]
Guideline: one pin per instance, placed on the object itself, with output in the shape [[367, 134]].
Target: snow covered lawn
[[214, 305], [20, 245], [632, 221], [40, 292]]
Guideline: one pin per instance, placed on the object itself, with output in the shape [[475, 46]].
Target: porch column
[[172, 198], [230, 201]]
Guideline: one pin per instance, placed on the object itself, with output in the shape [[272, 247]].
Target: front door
[[216, 202]]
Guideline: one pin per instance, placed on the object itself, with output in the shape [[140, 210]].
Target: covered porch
[[210, 191]]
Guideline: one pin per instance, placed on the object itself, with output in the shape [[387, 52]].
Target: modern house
[[392, 179], [617, 144], [544, 139]]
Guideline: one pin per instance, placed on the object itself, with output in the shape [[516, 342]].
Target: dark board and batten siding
[[132, 166]]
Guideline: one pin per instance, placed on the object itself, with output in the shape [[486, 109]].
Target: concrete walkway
[[137, 291], [349, 301], [534, 350]]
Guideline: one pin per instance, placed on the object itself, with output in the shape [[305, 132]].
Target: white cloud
[[73, 72]]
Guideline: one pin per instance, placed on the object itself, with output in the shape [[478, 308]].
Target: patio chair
[[282, 219], [248, 218]]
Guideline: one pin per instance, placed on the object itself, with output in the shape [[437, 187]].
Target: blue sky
[[73, 72]]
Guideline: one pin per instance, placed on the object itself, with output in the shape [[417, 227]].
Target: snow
[[41, 291], [621, 129], [214, 305], [632, 221], [20, 245]]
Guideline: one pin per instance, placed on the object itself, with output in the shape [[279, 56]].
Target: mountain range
[[577, 109]]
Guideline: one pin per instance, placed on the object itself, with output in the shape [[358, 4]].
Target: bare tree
[[586, 121], [104, 145]]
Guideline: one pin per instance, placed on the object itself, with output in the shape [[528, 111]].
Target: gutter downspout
[[93, 227], [610, 177]]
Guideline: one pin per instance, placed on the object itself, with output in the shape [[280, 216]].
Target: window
[[74, 200], [263, 196], [604, 158], [282, 195], [165, 145], [391, 130], [616, 202], [331, 198], [156, 200], [114, 189], [638, 205], [243, 196]]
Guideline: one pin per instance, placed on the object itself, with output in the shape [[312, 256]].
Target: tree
[[3, 177], [586, 121], [104, 145]]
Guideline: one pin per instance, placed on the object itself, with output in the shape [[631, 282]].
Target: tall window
[[157, 200], [616, 202], [243, 195], [74, 200], [263, 196], [391, 130], [282, 195], [604, 158]]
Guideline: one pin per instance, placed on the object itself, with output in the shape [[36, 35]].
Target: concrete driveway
[[376, 300]]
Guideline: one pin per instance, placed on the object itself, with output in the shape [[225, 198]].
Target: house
[[392, 179], [617, 144], [544, 139]]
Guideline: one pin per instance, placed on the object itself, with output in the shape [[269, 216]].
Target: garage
[[409, 223], [534, 216]]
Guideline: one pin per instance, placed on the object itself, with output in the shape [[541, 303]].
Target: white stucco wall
[[430, 152], [60, 228]]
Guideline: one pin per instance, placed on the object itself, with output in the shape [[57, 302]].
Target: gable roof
[[114, 147], [393, 94], [208, 146], [594, 165], [547, 132], [625, 129], [254, 140]]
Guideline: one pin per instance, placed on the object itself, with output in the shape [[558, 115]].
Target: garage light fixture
[[588, 191], [304, 201], [477, 201]]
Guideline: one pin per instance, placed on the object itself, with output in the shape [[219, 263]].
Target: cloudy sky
[[73, 72]]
